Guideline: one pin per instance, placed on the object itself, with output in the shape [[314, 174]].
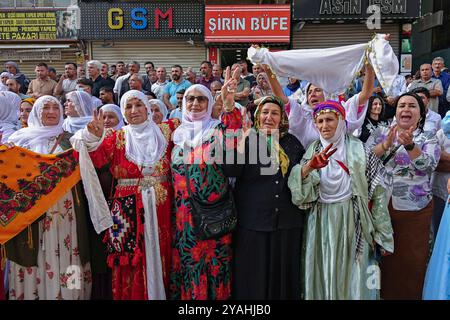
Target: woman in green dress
[[336, 179]]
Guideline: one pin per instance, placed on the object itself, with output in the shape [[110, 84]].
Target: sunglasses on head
[[200, 99]]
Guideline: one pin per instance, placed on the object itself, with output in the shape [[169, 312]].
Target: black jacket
[[264, 202]]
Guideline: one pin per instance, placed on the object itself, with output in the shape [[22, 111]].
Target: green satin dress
[[331, 267]]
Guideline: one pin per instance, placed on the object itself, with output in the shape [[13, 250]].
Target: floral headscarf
[[281, 157]]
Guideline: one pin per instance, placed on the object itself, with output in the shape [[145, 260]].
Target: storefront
[[29, 36], [230, 29], [327, 23], [165, 33]]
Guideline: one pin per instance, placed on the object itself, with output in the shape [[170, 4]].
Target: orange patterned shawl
[[30, 184]]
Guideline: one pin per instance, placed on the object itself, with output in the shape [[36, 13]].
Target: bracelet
[[382, 147], [409, 147]]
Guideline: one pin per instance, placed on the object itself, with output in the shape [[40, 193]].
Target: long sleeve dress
[[125, 241], [268, 240], [338, 254], [410, 198], [57, 267], [201, 268]]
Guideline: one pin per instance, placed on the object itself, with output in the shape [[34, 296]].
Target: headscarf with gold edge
[[283, 128]]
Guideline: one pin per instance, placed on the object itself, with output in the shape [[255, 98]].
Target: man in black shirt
[[93, 68]]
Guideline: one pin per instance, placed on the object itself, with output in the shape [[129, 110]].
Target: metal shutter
[[317, 36], [161, 53], [27, 67]]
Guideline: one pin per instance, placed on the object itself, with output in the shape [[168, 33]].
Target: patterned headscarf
[[284, 123], [283, 128], [329, 106]]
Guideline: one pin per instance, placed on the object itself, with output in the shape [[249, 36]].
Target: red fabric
[[128, 272], [201, 269]]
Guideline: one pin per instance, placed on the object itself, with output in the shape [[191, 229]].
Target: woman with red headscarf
[[336, 179]]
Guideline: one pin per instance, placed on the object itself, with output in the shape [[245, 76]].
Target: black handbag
[[212, 220]]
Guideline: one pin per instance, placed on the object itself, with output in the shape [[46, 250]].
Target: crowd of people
[[351, 210]]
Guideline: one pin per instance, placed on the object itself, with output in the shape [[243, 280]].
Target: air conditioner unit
[[431, 20]]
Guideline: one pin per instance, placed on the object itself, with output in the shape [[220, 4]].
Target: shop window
[[441, 36]]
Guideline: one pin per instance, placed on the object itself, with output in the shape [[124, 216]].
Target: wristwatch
[[409, 147]]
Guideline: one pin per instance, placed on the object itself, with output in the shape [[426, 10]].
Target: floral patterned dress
[[201, 268], [129, 268], [60, 273]]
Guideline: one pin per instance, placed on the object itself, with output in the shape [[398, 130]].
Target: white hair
[[95, 63], [439, 59]]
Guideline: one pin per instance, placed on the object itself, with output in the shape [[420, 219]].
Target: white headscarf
[[116, 109], [5, 74], [162, 107], [145, 144], [335, 185], [36, 136], [9, 111], [83, 106], [195, 132]]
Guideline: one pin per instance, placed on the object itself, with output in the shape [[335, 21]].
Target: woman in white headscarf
[[79, 111], [301, 122], [201, 268], [139, 243], [9, 114], [159, 110], [4, 76], [60, 244], [112, 116], [343, 235]]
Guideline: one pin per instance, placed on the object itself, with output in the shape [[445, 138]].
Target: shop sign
[[37, 25], [355, 9], [248, 23], [125, 21]]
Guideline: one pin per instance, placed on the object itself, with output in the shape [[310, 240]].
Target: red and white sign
[[248, 23]]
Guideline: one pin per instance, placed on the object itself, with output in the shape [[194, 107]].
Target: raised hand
[[320, 160], [96, 125], [405, 137], [391, 136], [229, 87]]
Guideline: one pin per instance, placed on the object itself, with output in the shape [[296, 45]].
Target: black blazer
[[263, 202]]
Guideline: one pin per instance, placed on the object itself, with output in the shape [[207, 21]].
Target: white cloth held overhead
[[332, 69]]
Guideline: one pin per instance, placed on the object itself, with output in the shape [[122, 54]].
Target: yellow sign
[[50, 25]]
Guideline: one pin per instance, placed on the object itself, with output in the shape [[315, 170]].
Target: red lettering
[[167, 14]]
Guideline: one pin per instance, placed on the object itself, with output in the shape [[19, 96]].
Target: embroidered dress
[[338, 254], [129, 266], [57, 266], [201, 268], [59, 273]]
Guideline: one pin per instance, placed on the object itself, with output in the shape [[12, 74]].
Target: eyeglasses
[[200, 99]]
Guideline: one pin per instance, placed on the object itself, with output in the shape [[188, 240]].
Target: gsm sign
[[139, 18]]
